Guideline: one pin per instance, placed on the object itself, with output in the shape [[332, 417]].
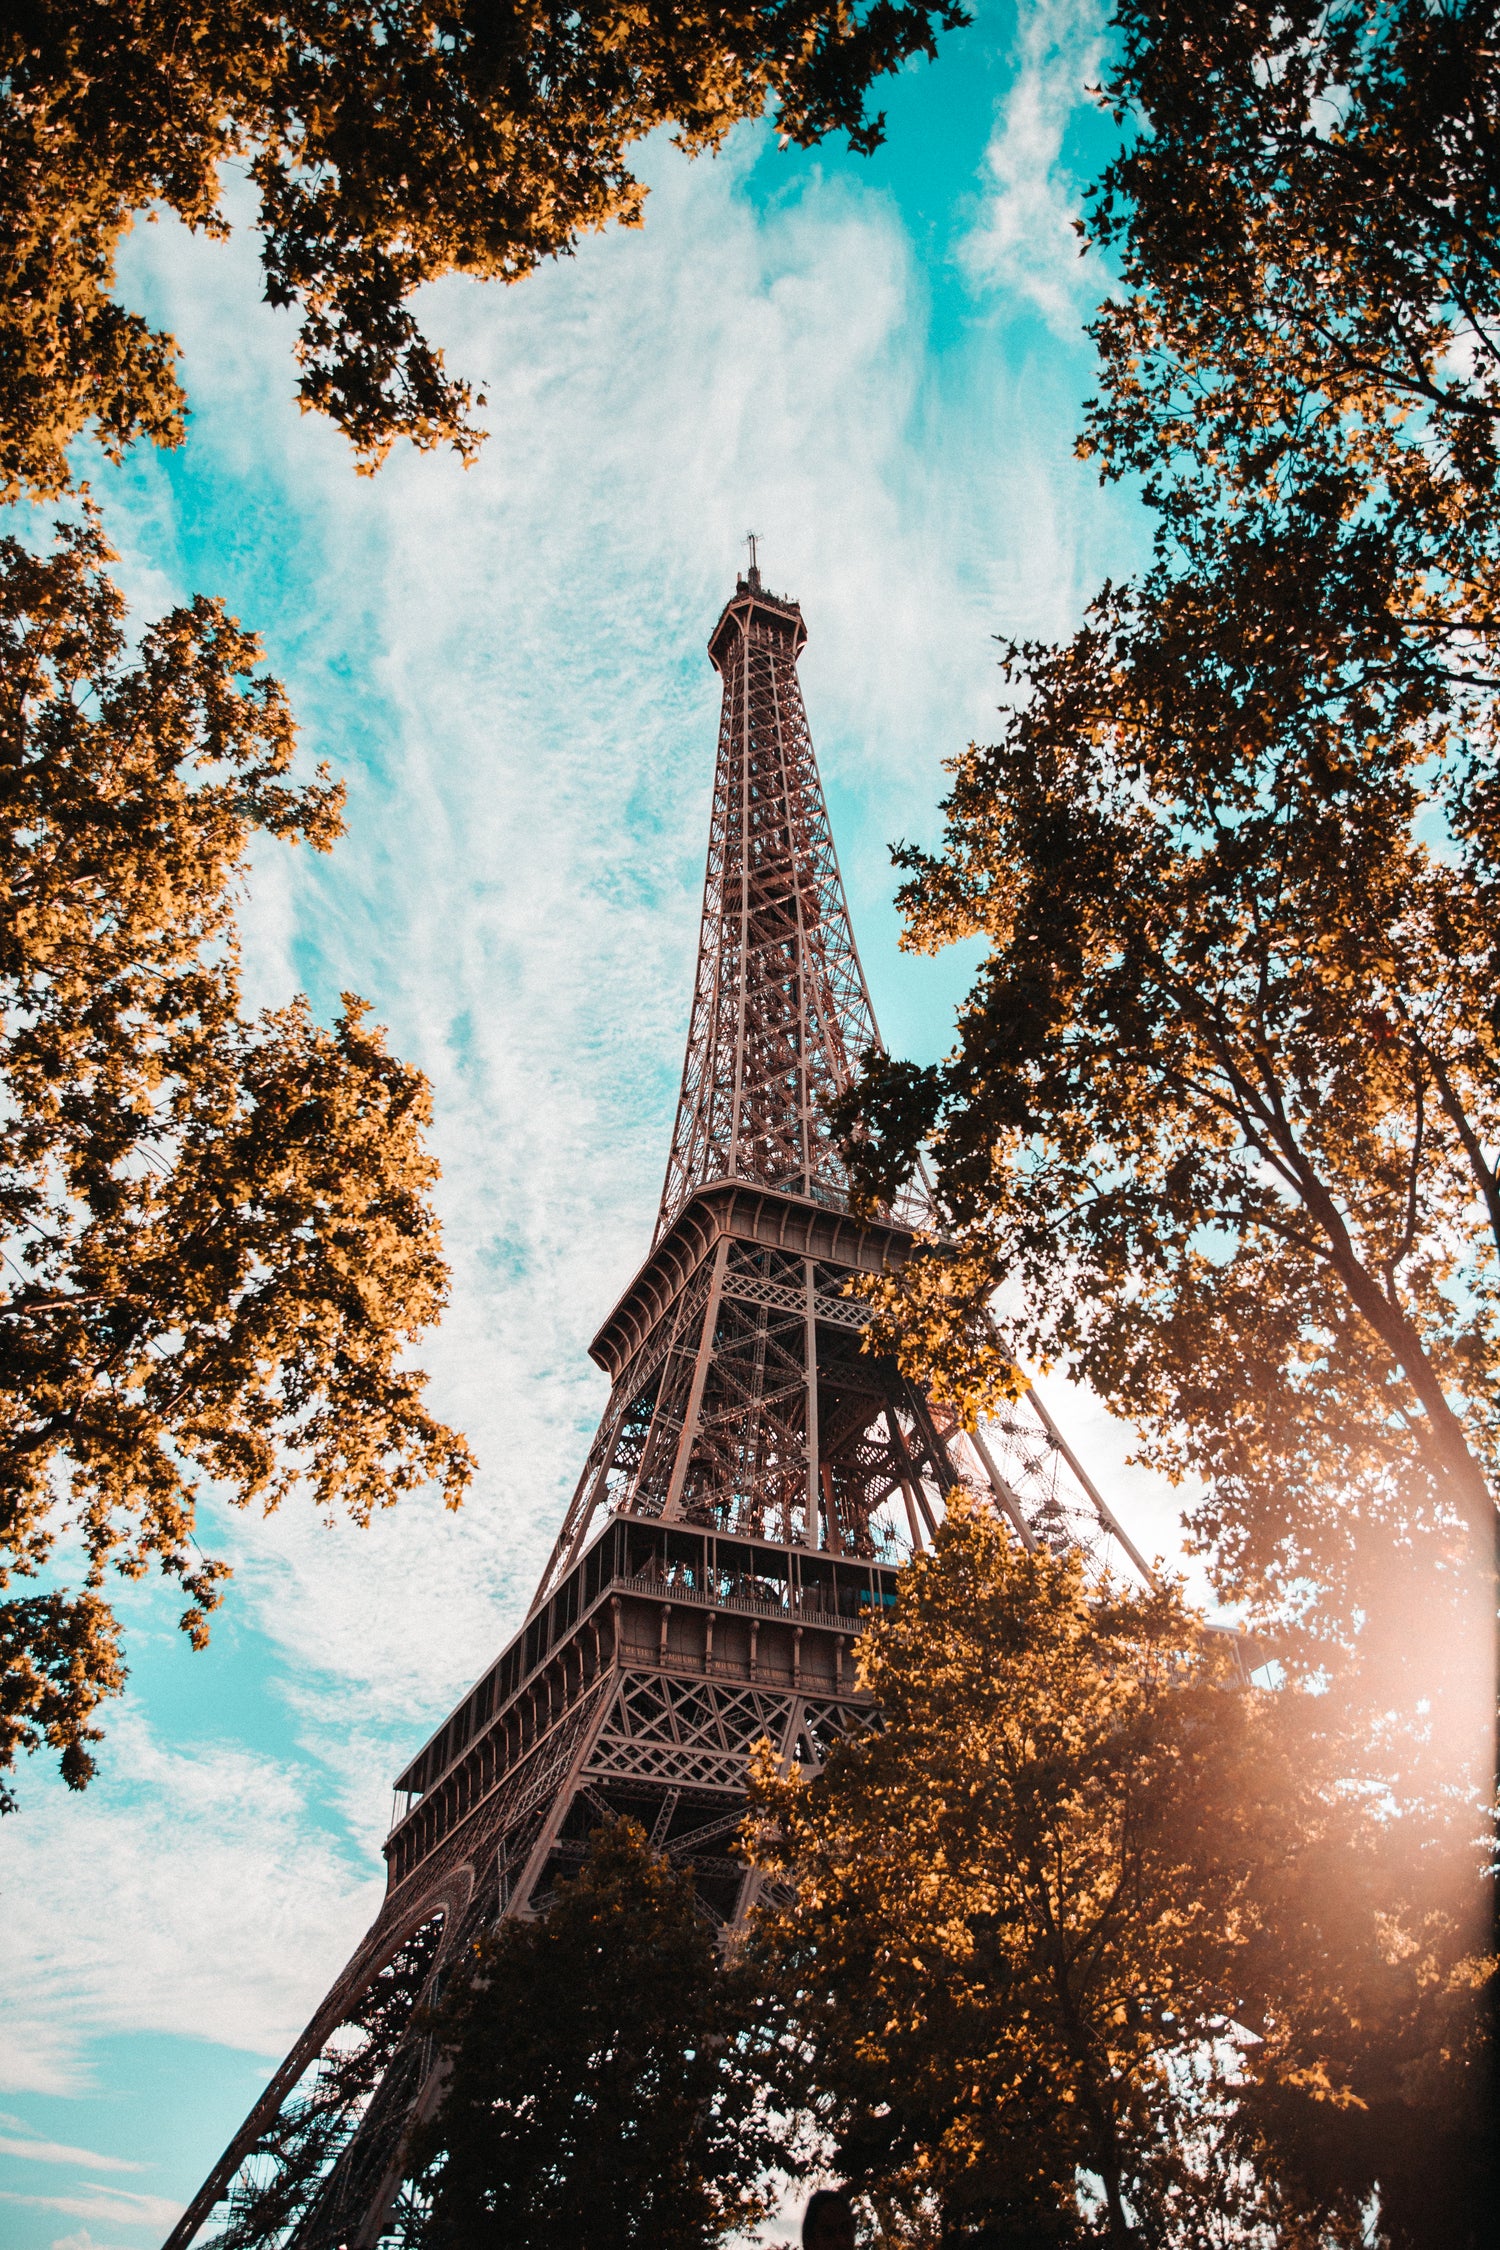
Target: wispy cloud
[[183, 1893], [25, 2143], [116, 2206], [519, 888], [1024, 241]]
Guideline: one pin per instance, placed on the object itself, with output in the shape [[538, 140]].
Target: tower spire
[[781, 1017]]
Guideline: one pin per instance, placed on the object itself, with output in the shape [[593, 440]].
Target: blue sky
[[879, 366]]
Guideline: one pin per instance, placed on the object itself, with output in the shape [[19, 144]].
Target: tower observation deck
[[755, 1483]]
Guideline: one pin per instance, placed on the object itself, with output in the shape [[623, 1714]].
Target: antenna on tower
[[752, 539]]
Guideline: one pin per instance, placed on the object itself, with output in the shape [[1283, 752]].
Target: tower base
[[640, 1689]]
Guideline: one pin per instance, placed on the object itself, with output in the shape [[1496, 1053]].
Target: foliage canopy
[[218, 1235], [1227, 1093], [1024, 1925], [388, 142], [1308, 232], [1226, 1104], [597, 2087]]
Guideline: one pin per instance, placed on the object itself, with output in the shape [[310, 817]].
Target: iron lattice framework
[[781, 1015], [755, 1481]]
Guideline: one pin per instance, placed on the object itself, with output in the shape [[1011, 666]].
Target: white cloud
[[1023, 242], [25, 2143], [82, 2240], [116, 2206], [182, 1893]]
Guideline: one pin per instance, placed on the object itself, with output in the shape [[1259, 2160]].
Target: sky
[[877, 365]]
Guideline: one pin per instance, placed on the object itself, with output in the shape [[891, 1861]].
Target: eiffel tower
[[755, 1483]]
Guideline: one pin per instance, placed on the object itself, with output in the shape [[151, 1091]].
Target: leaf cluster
[[598, 2087], [1225, 1110], [388, 142], [1227, 1084], [217, 1231], [1087, 1943], [1307, 229]]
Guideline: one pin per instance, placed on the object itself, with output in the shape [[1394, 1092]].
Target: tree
[[1018, 1921], [218, 1232], [1307, 336], [1227, 1092], [1226, 1105], [389, 142], [597, 2087], [1307, 229], [1221, 1128]]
